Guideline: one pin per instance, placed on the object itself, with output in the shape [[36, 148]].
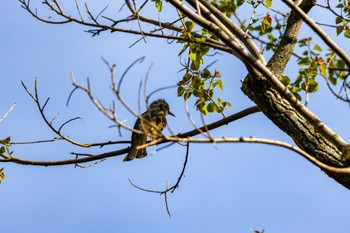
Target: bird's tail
[[134, 153]]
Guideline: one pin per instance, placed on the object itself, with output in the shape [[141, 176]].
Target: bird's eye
[[158, 120]]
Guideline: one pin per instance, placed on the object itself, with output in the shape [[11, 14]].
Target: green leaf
[[180, 91], [206, 74], [187, 95], [323, 69], [285, 80], [338, 20], [210, 93], [339, 29], [294, 89], [5, 141], [204, 110], [2, 175], [341, 74], [346, 9], [204, 49], [213, 85], [220, 86], [240, 2], [197, 93], [189, 25], [317, 48], [268, 3], [333, 81], [340, 5], [306, 53], [271, 37], [193, 56], [303, 42], [187, 77], [347, 34], [312, 86], [296, 94], [159, 5], [265, 24], [211, 107], [340, 63], [304, 61], [195, 82], [226, 104], [195, 65]]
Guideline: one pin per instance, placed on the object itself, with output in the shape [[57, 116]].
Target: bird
[[151, 123]]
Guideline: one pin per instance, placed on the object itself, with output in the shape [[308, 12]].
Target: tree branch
[[91, 157], [318, 30]]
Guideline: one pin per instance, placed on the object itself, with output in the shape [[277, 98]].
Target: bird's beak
[[170, 113]]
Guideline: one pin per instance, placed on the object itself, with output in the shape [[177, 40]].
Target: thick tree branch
[[259, 65], [235, 29], [285, 48]]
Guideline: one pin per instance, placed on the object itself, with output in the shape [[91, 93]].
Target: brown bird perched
[[151, 124]]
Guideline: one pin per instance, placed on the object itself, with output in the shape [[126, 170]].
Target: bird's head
[[161, 105]]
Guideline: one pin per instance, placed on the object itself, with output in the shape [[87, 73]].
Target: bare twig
[[102, 27], [166, 202], [90, 165], [189, 117], [168, 189], [8, 112], [35, 97]]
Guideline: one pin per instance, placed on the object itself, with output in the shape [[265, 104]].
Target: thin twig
[[8, 112], [168, 189]]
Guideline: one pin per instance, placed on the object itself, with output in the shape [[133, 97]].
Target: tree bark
[[282, 113]]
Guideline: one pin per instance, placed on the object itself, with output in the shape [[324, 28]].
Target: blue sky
[[227, 187]]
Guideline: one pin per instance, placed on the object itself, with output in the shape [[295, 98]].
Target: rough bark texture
[[282, 113]]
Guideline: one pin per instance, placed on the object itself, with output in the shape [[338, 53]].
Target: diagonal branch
[[318, 30], [235, 29], [285, 48]]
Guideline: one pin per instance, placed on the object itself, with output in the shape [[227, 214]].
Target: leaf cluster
[[5, 152], [337, 69], [158, 4], [197, 81], [227, 6], [5, 148], [342, 20], [312, 63]]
